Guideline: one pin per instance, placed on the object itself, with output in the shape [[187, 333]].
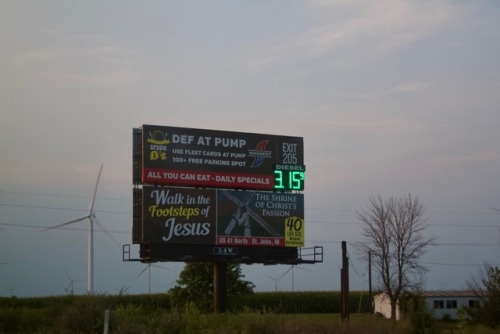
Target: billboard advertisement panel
[[173, 215], [220, 159]]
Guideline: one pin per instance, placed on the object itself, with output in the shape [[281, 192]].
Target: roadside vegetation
[[280, 312]]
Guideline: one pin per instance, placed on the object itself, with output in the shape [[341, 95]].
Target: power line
[[439, 212], [352, 265], [466, 244], [464, 225], [59, 195], [434, 244], [61, 209], [486, 212], [452, 264], [40, 227], [430, 225], [309, 222]]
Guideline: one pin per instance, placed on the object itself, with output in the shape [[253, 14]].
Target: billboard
[[199, 253], [174, 215], [221, 159]]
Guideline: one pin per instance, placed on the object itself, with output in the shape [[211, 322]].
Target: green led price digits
[[288, 180]]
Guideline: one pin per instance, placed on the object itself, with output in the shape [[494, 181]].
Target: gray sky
[[391, 97]]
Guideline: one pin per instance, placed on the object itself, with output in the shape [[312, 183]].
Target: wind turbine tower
[[92, 218]]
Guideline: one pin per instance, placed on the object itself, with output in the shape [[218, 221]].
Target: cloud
[[92, 65], [448, 160], [373, 27], [409, 87], [370, 124]]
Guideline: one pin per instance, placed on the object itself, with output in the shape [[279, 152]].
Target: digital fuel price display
[[289, 177]]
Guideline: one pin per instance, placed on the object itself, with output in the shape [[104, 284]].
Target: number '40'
[[294, 224]]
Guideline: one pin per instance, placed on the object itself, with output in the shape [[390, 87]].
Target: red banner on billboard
[[208, 179]]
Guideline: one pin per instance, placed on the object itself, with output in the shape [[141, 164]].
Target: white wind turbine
[[92, 218], [70, 287], [149, 267]]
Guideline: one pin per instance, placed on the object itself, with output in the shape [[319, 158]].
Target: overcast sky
[[391, 97]]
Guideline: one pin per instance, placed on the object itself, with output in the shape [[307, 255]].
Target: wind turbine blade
[[495, 209], [123, 290], [91, 207], [67, 223], [142, 272], [269, 277], [283, 275], [71, 279], [107, 232]]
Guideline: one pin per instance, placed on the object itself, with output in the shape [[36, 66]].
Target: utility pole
[[344, 283], [370, 281]]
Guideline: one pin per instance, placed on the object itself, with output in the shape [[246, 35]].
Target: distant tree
[[486, 285], [196, 284], [420, 318], [393, 232]]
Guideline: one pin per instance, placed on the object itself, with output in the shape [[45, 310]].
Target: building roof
[[450, 293]]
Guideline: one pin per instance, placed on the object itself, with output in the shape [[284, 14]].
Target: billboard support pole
[[220, 287]]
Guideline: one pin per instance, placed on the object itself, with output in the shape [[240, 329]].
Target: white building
[[441, 303], [445, 303], [382, 306]]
